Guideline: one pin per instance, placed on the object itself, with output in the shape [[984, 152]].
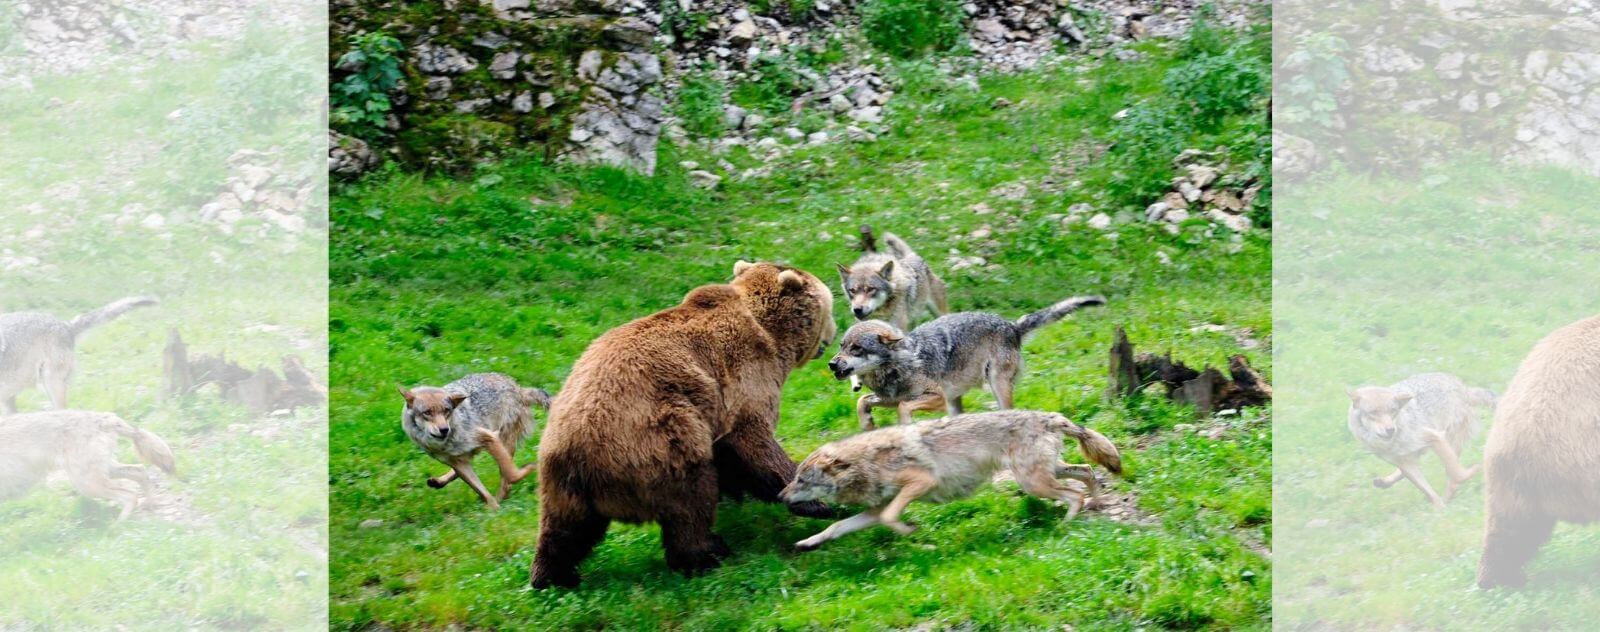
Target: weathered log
[[1208, 390], [261, 390]]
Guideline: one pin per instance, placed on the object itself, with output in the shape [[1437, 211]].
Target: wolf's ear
[[740, 266], [844, 272], [1352, 394], [886, 270], [1401, 399], [791, 280], [890, 337], [406, 393], [457, 398]]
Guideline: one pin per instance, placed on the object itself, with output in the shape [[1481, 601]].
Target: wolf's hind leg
[[137, 474], [54, 379], [1452, 465], [1385, 482], [95, 482], [1413, 473], [928, 401], [936, 292], [1082, 474], [953, 405], [1041, 482], [510, 474], [839, 529]]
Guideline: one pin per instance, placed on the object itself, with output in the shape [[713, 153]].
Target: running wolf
[[84, 445], [947, 459], [40, 349], [1430, 411], [935, 364], [482, 411]]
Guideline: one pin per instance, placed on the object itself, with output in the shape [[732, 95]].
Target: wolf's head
[[865, 346], [822, 476], [429, 410], [868, 286], [1375, 409]]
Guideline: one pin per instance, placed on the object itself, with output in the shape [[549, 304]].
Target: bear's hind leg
[[1513, 533], [569, 529], [686, 522]]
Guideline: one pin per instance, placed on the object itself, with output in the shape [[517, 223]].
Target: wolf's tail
[[1095, 446], [898, 247], [869, 243], [1481, 397], [151, 448], [536, 397], [1056, 312], [108, 313]]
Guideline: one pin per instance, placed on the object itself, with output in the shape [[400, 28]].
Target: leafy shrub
[[1316, 71], [912, 28], [1216, 85], [700, 104], [680, 24], [361, 100], [1143, 144]]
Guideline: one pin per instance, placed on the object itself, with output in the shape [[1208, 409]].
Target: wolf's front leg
[[838, 529], [914, 483], [864, 406], [464, 470]]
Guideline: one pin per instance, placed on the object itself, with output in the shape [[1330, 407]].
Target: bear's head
[[793, 305]]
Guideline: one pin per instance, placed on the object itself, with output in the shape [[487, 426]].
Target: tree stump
[[1208, 390]]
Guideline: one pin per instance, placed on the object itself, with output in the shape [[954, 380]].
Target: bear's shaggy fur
[[664, 413], [1542, 460]]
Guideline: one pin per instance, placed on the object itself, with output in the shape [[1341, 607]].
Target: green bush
[[773, 85], [361, 100], [1216, 85], [699, 105], [912, 28], [1143, 144]]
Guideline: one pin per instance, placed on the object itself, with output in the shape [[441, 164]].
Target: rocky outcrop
[[570, 79]]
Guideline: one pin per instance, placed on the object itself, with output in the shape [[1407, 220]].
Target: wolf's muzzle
[[860, 312], [840, 370]]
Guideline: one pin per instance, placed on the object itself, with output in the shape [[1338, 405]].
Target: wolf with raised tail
[[37, 349]]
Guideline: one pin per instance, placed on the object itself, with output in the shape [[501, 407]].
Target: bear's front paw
[[692, 564], [812, 509], [544, 578]]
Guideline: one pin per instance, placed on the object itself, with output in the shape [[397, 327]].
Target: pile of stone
[[55, 37], [260, 187], [1205, 190]]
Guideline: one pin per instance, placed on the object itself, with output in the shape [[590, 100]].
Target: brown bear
[[662, 415], [1542, 460]]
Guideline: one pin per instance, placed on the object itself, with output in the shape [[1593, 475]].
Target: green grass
[[248, 547], [518, 268], [1458, 269]]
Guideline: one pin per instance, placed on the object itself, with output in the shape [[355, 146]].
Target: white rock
[[1100, 221], [705, 179]]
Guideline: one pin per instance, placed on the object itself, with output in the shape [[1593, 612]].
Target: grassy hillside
[[518, 267], [1459, 269]]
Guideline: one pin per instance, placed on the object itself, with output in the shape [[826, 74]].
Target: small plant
[[774, 83], [1316, 71], [912, 28], [361, 100], [681, 24], [700, 103], [1143, 144]]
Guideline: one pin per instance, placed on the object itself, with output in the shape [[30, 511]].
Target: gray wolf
[[82, 444], [482, 411], [938, 362], [664, 414], [1542, 459], [40, 349], [889, 285], [947, 459], [1430, 411]]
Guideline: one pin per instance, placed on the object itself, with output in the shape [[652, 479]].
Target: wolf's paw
[[806, 545], [812, 509], [902, 528], [435, 483], [1381, 483]]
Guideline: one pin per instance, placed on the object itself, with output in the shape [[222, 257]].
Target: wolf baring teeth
[[935, 364]]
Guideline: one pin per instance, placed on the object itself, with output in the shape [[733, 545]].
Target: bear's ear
[[791, 280], [886, 270], [890, 337], [740, 266], [406, 393]]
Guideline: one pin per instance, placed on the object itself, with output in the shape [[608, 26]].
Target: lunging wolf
[[938, 362], [482, 411], [83, 444], [947, 459], [1400, 423], [40, 349]]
